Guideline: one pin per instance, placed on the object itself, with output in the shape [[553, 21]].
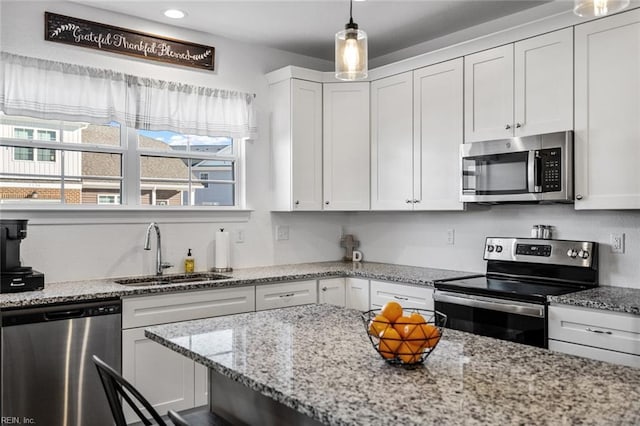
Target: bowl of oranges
[[404, 337]]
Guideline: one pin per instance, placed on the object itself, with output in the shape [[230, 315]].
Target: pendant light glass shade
[[351, 53], [596, 8]]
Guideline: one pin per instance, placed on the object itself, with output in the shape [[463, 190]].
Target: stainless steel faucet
[[147, 246]]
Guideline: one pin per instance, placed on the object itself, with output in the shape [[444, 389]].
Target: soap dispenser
[[189, 263]]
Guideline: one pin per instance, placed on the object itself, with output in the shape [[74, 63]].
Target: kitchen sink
[[172, 279]]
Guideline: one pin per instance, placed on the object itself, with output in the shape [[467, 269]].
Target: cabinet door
[[607, 129], [306, 141], [392, 143], [164, 377], [408, 296], [488, 100], [332, 291], [544, 83], [296, 144], [438, 123], [357, 294], [282, 295], [346, 146]]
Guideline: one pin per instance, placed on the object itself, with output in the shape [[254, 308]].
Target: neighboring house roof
[[99, 164]]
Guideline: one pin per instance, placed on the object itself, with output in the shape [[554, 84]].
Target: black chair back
[[116, 387]]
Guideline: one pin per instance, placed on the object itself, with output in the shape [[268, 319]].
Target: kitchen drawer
[[172, 307], [286, 294], [408, 296], [596, 328], [595, 353]]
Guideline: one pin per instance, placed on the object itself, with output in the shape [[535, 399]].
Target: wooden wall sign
[[64, 29]]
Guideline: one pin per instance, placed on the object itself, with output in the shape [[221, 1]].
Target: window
[[187, 170], [80, 163], [108, 199], [204, 176], [63, 162], [23, 154]]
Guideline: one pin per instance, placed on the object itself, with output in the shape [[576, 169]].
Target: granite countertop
[[317, 360], [616, 299], [75, 291]]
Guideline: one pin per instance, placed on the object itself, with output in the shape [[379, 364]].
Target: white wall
[[111, 245], [420, 239]]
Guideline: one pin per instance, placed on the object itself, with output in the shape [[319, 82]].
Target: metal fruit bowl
[[414, 345]]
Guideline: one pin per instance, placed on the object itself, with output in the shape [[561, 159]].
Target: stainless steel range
[[510, 301]]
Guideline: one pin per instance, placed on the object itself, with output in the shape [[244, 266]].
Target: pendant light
[[351, 51], [597, 8]]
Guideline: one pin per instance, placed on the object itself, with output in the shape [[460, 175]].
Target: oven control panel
[[557, 252]]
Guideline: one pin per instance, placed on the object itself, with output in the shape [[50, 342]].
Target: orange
[[409, 354], [391, 310], [419, 319], [401, 323], [390, 340], [377, 325], [432, 333]]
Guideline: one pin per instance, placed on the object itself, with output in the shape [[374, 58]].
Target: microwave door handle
[[534, 172]]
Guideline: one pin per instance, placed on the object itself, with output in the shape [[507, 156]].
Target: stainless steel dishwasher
[[48, 377]]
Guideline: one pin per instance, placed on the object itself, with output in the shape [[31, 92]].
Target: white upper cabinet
[[488, 102], [520, 89], [392, 143], [438, 133], [296, 126], [416, 131], [346, 146], [544, 84], [607, 128]]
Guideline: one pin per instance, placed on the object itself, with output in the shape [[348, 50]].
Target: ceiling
[[308, 26]]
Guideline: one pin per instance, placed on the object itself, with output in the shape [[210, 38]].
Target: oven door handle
[[508, 306]]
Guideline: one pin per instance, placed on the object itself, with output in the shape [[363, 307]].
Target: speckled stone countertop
[[101, 289], [317, 359], [617, 299]]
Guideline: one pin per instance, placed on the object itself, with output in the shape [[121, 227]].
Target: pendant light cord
[[350, 11]]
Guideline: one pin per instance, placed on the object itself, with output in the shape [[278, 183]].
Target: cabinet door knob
[[507, 126], [324, 288], [297, 202], [518, 125], [408, 201], [416, 201], [578, 197], [326, 202]]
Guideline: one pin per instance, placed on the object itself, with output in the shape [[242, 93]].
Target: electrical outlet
[[451, 236], [617, 243], [282, 232], [240, 236]]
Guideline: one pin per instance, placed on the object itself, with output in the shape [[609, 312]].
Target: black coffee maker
[[13, 275]]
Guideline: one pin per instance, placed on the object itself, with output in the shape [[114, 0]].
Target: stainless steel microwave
[[527, 169]]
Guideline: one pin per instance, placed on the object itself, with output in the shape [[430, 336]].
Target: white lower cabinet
[[168, 380], [357, 294], [603, 335], [282, 295], [332, 291], [407, 295]]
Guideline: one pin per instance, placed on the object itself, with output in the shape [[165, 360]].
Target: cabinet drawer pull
[[287, 295], [594, 330], [401, 298], [324, 288], [578, 197]]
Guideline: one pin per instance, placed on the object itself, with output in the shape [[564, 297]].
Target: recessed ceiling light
[[174, 14]]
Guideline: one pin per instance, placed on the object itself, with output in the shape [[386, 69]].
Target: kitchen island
[[317, 361]]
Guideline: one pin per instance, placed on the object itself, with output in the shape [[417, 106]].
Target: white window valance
[[60, 91]]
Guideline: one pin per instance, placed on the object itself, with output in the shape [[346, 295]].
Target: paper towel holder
[[222, 265]]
